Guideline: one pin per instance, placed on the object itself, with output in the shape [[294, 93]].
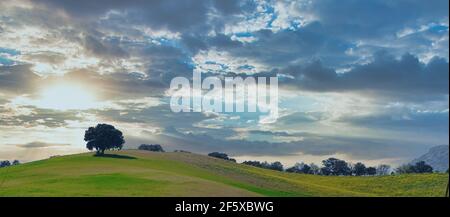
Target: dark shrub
[[182, 151], [221, 156], [152, 147], [5, 163], [371, 171], [293, 169]]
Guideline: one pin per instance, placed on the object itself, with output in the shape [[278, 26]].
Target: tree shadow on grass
[[114, 156]]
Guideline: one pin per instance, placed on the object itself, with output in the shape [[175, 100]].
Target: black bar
[[165, 206]]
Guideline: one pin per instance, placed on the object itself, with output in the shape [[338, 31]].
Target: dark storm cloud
[[195, 42], [159, 115], [18, 79], [375, 19], [172, 14], [42, 17], [405, 78], [104, 48], [159, 61], [286, 46], [228, 6], [166, 62], [435, 122]]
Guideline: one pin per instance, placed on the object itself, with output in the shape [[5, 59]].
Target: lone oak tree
[[103, 137]]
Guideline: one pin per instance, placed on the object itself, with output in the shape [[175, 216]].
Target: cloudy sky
[[360, 80]]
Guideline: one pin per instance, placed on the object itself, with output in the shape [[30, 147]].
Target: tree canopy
[[103, 137], [419, 167], [334, 166], [359, 169]]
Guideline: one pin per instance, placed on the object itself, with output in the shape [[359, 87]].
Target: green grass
[[142, 173]]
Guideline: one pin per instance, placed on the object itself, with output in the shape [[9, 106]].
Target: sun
[[67, 96]]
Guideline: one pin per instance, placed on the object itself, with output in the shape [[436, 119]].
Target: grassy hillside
[[142, 173]]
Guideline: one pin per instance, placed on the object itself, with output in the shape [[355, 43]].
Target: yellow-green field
[[143, 173]]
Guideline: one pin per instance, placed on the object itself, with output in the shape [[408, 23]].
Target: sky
[[358, 80]]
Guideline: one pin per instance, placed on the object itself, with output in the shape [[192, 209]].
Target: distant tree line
[[273, 166], [7, 163], [335, 167], [331, 167]]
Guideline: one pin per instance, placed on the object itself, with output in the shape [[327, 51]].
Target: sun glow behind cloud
[[67, 96], [61, 96]]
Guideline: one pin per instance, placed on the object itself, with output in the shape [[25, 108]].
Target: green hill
[[143, 173]]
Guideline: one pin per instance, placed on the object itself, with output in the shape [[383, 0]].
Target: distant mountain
[[437, 157]]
